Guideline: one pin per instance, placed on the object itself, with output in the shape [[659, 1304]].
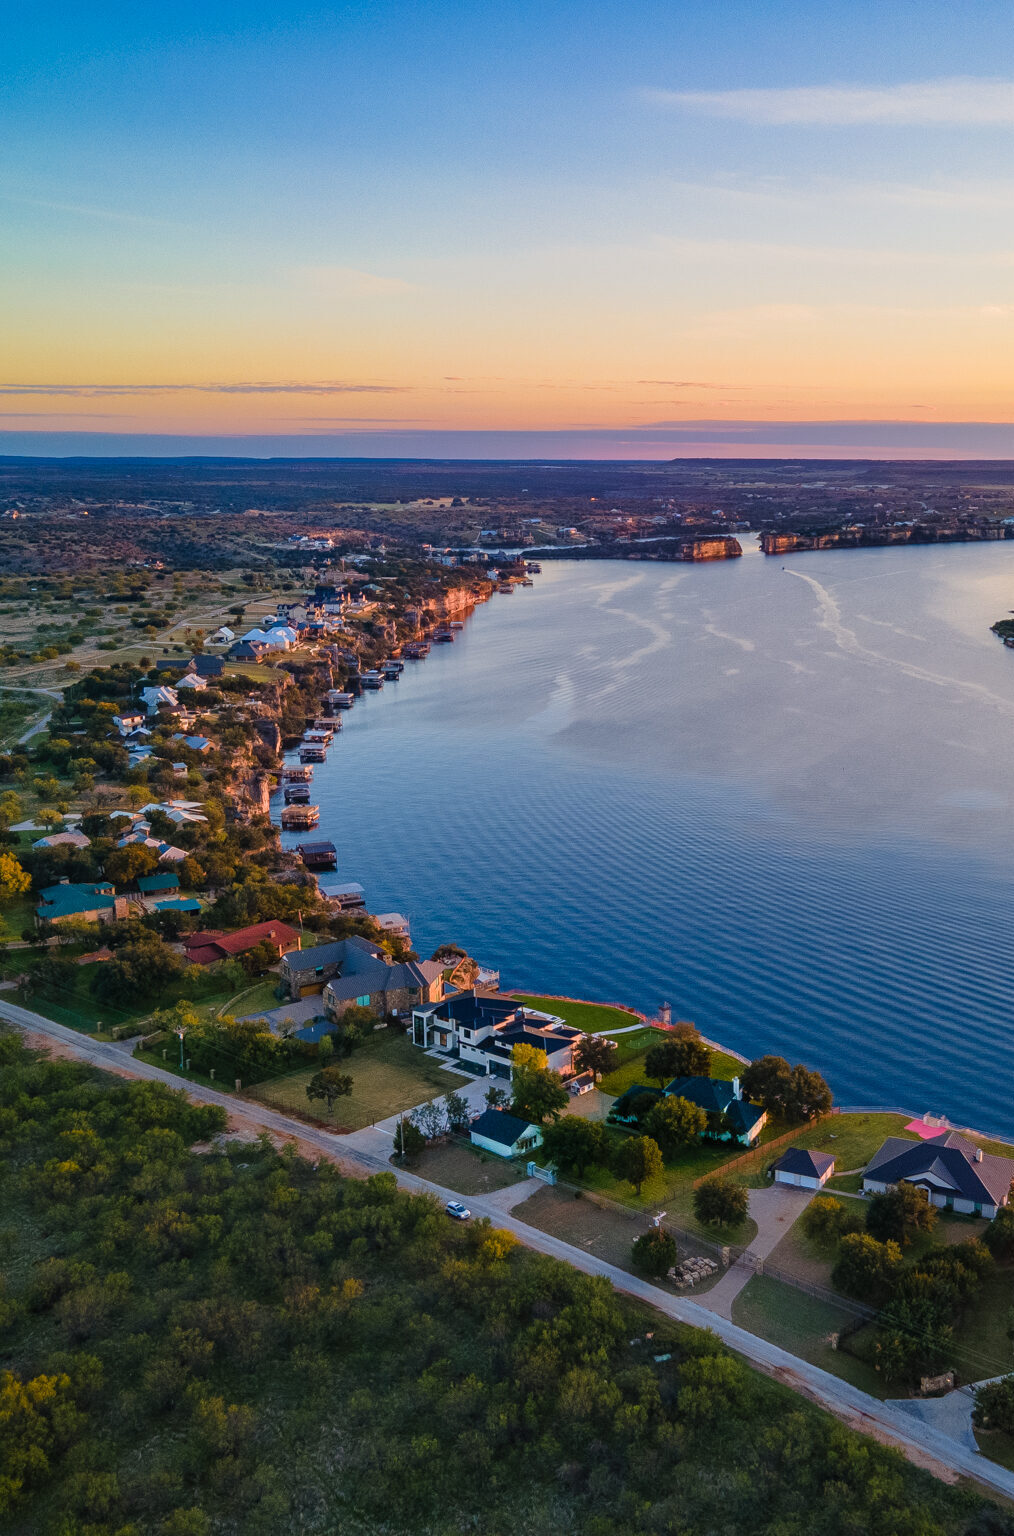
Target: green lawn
[[591, 1018], [251, 1000], [982, 1348], [631, 1051], [18, 915], [802, 1325], [850, 1139], [75, 1006], [389, 1075]]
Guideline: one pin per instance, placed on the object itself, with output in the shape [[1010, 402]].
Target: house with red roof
[[209, 946]]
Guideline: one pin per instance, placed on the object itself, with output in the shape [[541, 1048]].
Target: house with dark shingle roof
[[505, 1135], [955, 1173], [741, 1120], [803, 1168], [483, 1028]]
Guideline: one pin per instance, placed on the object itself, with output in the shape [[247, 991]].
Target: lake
[[776, 792]]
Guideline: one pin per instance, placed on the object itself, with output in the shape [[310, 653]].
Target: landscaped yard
[[389, 1075], [591, 1018], [850, 1139]]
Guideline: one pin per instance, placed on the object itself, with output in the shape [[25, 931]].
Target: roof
[[947, 1160], [471, 1009], [718, 1096], [801, 1160], [179, 904], [320, 954], [63, 839], [207, 666], [68, 900], [243, 938], [164, 882], [497, 1125]]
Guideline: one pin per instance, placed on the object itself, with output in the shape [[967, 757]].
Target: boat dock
[[300, 818]]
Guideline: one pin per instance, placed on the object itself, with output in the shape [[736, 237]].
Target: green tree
[[867, 1268], [536, 1093], [655, 1252], [791, 1093], [675, 1123], [994, 1405], [595, 1054], [895, 1213], [637, 1159], [458, 1113], [999, 1235], [331, 1084], [912, 1338], [574, 1143], [721, 1202], [826, 1220], [125, 865], [496, 1097], [409, 1140], [14, 881]]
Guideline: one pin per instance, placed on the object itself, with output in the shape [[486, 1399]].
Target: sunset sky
[[565, 228]]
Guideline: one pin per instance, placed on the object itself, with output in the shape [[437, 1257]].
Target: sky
[[559, 229]]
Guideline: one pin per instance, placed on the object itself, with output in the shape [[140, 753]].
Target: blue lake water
[[777, 793]]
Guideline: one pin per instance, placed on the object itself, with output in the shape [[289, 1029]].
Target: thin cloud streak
[[97, 391], [960, 101]]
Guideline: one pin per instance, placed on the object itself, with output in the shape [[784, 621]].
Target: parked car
[[457, 1210]]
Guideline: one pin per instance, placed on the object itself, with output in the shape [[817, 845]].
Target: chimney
[[978, 1154], [737, 1092]]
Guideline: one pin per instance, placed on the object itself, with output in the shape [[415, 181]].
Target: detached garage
[[506, 1135], [804, 1169]]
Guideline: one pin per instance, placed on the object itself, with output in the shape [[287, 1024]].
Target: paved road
[[922, 1442]]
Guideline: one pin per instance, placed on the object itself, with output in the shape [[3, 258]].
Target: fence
[[860, 1311], [759, 1154]]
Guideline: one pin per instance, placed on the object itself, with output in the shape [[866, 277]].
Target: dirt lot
[[470, 1173]]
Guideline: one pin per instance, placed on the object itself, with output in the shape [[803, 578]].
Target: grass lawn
[[996, 1445], [75, 1006], [20, 914], [982, 1348], [631, 1051], [591, 1018], [850, 1139], [802, 1324], [389, 1075], [466, 1169], [252, 1000]]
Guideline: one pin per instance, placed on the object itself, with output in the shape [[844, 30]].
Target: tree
[[720, 1202], [125, 864], [899, 1211], [791, 1093], [595, 1054], [655, 1252], [675, 1123], [431, 1119], [994, 1405], [999, 1235], [458, 1112], [574, 1143], [329, 1083], [866, 1268], [681, 1054], [637, 1159], [497, 1097], [259, 959], [14, 881], [352, 1026], [409, 1140], [912, 1338], [826, 1219], [536, 1092]]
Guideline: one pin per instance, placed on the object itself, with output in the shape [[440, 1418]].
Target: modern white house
[[153, 697], [804, 1169], [483, 1029], [955, 1173], [505, 1135]]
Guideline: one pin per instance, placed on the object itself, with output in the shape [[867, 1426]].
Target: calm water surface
[[779, 794]]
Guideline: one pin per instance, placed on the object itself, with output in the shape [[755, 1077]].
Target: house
[[199, 744], [207, 947], [128, 721], [179, 904], [741, 1120], [356, 971], [69, 839], [246, 650], [192, 681], [152, 885], [180, 770], [207, 666], [224, 635], [505, 1135], [803, 1168], [154, 697], [483, 1028], [955, 1173], [91, 901]]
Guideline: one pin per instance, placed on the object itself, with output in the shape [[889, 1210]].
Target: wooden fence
[[759, 1154]]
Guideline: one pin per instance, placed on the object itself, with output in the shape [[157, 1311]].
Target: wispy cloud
[[960, 101], [99, 391]]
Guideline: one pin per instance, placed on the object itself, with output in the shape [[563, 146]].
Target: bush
[[655, 1252], [866, 1268], [720, 1202], [826, 1219], [896, 1213]]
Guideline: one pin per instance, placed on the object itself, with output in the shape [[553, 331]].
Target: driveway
[[926, 1444], [774, 1210]]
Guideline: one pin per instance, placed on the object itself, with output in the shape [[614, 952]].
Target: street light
[[181, 1030]]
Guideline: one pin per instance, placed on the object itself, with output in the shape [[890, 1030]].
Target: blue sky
[[563, 219]]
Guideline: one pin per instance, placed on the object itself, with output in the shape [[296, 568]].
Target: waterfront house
[[803, 1169], [91, 902], [505, 1135], [207, 947], [323, 855], [955, 1174], [483, 1028], [730, 1116], [356, 971]]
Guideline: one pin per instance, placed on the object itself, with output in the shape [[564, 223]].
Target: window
[[363, 1002]]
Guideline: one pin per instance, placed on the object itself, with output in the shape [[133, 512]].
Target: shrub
[[720, 1202]]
